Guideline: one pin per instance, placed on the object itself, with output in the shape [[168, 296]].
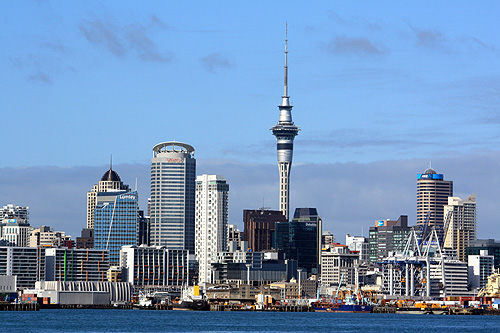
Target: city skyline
[[374, 90]]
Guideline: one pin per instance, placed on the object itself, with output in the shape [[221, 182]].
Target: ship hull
[[197, 305], [343, 308]]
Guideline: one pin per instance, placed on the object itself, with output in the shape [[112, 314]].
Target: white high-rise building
[[173, 176], [460, 224], [211, 222]]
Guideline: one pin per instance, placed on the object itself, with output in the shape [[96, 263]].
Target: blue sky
[[392, 82]]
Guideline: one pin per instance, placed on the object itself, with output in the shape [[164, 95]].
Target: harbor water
[[188, 321]]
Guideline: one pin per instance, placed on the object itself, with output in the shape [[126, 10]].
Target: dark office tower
[[173, 176], [285, 132], [144, 229], [300, 239], [432, 195], [259, 227]]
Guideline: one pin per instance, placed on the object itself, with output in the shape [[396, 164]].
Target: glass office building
[[300, 239], [116, 222]]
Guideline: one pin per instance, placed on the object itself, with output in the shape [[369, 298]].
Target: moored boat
[[341, 307]]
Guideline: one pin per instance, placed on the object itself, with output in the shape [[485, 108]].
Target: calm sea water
[[186, 321]]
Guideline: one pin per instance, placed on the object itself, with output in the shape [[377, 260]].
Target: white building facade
[[211, 222], [172, 204], [480, 267]]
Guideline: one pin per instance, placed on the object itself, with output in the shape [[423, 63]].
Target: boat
[[340, 307], [354, 303], [191, 299]]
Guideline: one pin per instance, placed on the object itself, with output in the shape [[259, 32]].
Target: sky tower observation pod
[[173, 147]]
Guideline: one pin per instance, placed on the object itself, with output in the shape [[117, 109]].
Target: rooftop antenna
[[286, 60], [136, 184], [111, 162]]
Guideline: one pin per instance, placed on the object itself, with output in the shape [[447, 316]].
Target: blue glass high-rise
[[116, 222]]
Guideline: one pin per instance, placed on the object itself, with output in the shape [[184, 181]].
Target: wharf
[[88, 306], [19, 307], [274, 308]]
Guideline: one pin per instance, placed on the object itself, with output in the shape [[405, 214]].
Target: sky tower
[[285, 131]]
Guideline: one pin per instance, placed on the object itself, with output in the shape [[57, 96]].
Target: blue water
[[187, 321]]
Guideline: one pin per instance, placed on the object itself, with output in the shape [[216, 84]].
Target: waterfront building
[[84, 292], [388, 236], [285, 132], [259, 227], [110, 181], [300, 239], [172, 205], [76, 264], [149, 266], [86, 240], [460, 224], [258, 268], [359, 244], [115, 222], [432, 195], [46, 236], [480, 268], [211, 222], [27, 263], [490, 245], [454, 280], [337, 263]]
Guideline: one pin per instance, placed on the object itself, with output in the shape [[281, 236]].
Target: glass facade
[[116, 222]]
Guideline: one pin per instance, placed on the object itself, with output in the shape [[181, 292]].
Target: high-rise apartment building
[[211, 222], [76, 264], [285, 132], [116, 222], [172, 204], [460, 224], [480, 268], [432, 195], [110, 181], [27, 263], [259, 227]]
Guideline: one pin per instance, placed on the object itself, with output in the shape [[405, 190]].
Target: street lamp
[[299, 270], [248, 273]]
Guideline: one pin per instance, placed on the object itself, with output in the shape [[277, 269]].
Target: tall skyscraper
[[211, 222], [172, 204], [432, 195], [460, 222], [285, 132], [116, 222], [110, 181]]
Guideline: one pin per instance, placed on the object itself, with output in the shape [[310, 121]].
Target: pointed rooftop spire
[[285, 98]]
